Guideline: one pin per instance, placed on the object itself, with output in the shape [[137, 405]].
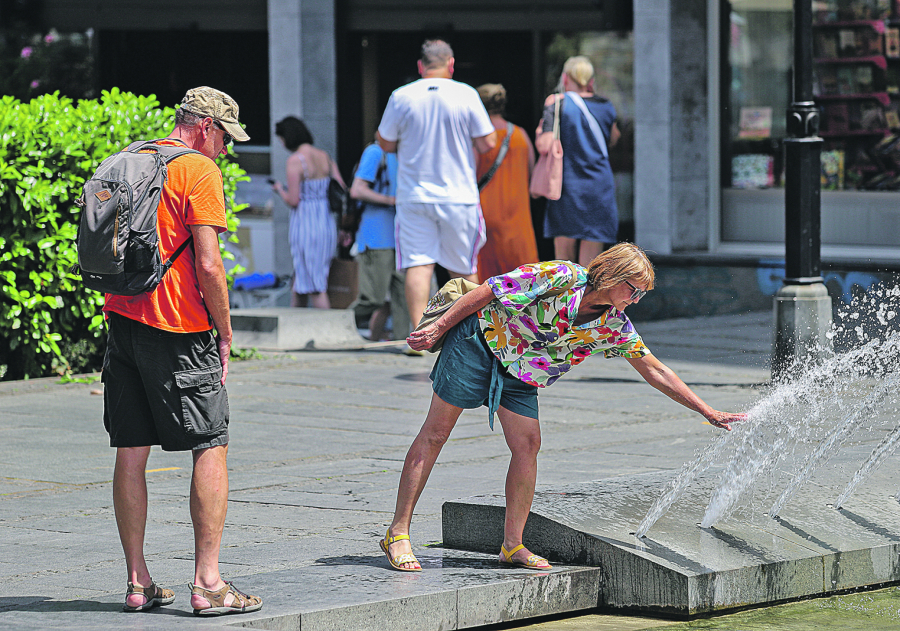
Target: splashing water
[[798, 425], [882, 451], [834, 442], [680, 484]]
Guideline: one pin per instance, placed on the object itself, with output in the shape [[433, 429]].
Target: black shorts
[[162, 388]]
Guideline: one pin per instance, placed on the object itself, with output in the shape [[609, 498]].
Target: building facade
[[701, 87]]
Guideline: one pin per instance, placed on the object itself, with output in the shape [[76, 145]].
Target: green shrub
[[49, 323]]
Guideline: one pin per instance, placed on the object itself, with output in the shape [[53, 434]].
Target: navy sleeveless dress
[[587, 207]]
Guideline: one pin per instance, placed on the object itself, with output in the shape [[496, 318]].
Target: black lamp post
[[802, 305], [803, 163]]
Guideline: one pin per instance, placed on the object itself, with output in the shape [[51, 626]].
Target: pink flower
[[49, 38], [35, 83], [26, 52], [582, 352]]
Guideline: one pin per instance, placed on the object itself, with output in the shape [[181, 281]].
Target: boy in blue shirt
[[375, 184]]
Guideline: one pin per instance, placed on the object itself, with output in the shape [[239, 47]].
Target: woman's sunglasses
[[636, 294]]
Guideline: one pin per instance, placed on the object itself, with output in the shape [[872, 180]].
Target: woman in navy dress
[[584, 220]]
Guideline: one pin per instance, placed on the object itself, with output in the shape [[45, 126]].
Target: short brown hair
[[493, 96], [436, 53], [623, 261]]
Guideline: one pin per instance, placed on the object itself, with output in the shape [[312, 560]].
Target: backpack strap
[[167, 153], [171, 260]]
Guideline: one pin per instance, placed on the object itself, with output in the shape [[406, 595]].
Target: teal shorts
[[468, 375]]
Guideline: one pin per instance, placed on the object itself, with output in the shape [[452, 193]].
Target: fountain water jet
[[882, 451]]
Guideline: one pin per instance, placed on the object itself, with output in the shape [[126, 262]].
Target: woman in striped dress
[[312, 229]]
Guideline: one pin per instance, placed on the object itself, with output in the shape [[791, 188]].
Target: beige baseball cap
[[205, 101]]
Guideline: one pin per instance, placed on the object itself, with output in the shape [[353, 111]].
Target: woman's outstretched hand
[[725, 419], [424, 339]]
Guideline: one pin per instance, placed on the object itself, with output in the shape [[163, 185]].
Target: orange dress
[[506, 206]]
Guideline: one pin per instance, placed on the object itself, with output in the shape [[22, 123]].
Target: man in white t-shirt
[[432, 124]]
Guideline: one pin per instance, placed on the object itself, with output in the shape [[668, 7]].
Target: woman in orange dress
[[505, 201]]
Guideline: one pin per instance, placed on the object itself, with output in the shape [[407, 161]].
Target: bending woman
[[512, 335]]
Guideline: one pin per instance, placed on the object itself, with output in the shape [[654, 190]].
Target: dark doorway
[[169, 63], [372, 65]]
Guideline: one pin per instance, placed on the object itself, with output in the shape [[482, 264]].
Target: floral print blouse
[[533, 335]]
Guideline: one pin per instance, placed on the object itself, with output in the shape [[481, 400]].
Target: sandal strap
[[149, 592], [389, 539], [508, 554], [406, 557], [217, 597]]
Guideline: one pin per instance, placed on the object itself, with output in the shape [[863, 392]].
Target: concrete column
[[652, 125], [672, 192], [302, 83], [803, 320]]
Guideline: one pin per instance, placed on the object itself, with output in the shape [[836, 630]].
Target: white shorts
[[448, 234]]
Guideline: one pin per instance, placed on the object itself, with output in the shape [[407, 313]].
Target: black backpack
[[118, 241]]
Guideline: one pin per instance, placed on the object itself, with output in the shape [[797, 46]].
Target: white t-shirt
[[434, 122]]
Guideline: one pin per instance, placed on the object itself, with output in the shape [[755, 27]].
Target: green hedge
[[49, 323]]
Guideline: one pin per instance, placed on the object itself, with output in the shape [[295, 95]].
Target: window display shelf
[[878, 60], [857, 73], [875, 25], [853, 132], [882, 97]]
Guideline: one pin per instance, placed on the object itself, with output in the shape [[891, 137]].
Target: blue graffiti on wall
[[770, 276]]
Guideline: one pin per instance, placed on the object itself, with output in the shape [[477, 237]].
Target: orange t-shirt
[[192, 195]]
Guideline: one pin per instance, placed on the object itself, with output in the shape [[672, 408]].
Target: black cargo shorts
[[162, 388]]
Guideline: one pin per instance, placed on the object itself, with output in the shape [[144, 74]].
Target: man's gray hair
[[436, 53], [186, 118]]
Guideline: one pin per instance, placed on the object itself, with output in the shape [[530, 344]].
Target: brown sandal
[[154, 594], [243, 603]]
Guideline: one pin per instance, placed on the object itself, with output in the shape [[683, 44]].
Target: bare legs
[[130, 502], [418, 289], [523, 436], [317, 301], [209, 503], [417, 467], [577, 250]]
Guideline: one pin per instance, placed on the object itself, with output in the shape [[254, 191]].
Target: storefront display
[[856, 86]]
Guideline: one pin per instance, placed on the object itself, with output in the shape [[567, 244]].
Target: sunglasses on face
[[636, 294], [227, 138]]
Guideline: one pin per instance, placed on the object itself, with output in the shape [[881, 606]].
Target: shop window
[[856, 51]]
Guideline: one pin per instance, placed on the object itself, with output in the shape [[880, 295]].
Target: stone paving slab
[[317, 443]]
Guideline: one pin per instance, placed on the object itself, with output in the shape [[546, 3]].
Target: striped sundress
[[313, 235]]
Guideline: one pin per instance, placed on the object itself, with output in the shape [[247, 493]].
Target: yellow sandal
[[398, 561], [534, 562]]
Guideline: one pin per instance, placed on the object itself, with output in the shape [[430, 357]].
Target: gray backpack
[[118, 242]]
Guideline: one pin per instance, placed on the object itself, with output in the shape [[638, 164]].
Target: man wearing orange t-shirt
[[164, 370]]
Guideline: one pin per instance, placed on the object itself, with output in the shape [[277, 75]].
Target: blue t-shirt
[[376, 228]]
